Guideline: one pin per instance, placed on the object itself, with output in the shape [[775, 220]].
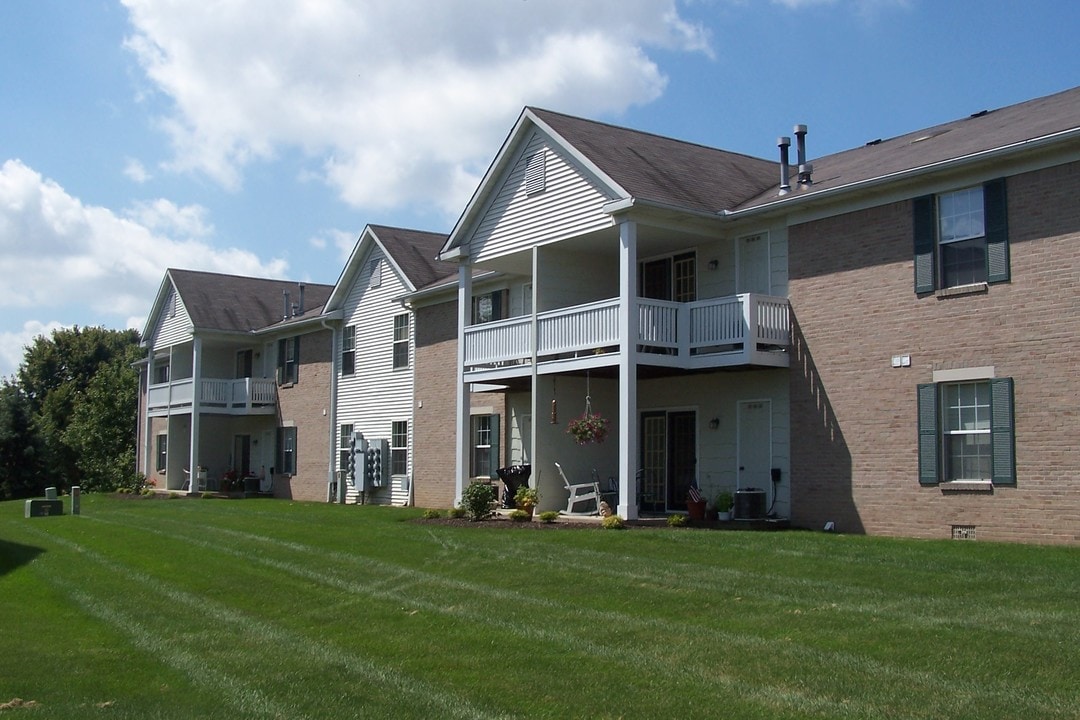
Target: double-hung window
[[345, 447], [286, 437], [348, 350], [399, 447], [401, 341], [162, 452], [961, 238], [966, 432], [484, 438], [289, 360]]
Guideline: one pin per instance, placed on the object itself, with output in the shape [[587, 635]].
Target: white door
[[753, 252], [755, 445]]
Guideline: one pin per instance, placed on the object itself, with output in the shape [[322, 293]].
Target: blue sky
[[260, 138]]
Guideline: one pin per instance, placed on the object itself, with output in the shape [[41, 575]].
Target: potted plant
[[231, 481], [724, 501], [526, 498], [589, 428]]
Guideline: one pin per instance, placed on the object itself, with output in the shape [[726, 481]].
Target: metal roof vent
[[785, 185]]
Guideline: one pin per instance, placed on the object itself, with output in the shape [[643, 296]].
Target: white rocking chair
[[580, 493]]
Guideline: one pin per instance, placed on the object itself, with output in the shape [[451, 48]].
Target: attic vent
[[376, 274], [535, 176]]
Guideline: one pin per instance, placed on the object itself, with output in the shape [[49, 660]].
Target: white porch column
[[628, 334], [534, 330], [196, 398], [461, 459]]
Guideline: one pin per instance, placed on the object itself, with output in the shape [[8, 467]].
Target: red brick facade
[[854, 422], [306, 405], [434, 428]]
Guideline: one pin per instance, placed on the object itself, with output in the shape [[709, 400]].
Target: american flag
[[693, 494]]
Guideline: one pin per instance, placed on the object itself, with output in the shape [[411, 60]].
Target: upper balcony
[[738, 330], [241, 396]]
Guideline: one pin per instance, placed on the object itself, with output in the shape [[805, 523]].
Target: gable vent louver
[[535, 176]]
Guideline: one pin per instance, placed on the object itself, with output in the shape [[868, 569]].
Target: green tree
[[21, 469], [101, 432], [55, 378]]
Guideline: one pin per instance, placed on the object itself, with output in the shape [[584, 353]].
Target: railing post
[[682, 330], [749, 311]]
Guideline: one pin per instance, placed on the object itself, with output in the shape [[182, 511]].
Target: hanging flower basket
[[589, 428]]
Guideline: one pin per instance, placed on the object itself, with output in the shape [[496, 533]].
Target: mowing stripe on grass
[[652, 659], [235, 692], [418, 692]]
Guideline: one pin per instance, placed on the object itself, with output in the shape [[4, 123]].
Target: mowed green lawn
[[268, 609]]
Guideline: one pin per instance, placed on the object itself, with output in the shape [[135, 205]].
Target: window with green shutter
[[961, 237], [966, 432]]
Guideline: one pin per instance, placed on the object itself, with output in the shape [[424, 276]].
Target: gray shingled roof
[[978, 133], [233, 303], [416, 253], [663, 170]]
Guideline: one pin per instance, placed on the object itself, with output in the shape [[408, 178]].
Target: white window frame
[[401, 359], [399, 447]]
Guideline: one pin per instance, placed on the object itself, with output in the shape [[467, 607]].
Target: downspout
[[331, 473]]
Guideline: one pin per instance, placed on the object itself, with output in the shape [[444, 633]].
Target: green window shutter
[[1002, 434], [997, 231], [495, 438], [925, 242], [929, 438]]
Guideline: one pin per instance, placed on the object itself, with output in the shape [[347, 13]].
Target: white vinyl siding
[[375, 395], [172, 328], [570, 205]]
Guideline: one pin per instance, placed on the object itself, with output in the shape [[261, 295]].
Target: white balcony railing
[[241, 396], [745, 329]]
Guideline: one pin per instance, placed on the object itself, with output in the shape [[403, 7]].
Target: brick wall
[[434, 426], [307, 406], [854, 425]]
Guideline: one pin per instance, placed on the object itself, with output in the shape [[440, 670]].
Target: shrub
[[432, 514], [477, 500], [520, 515], [613, 522], [676, 520], [456, 512], [549, 516]]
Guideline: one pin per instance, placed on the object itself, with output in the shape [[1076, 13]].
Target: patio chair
[[200, 480], [581, 493]]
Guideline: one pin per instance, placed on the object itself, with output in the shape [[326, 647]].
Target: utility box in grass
[[44, 508]]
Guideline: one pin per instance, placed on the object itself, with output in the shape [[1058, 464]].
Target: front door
[[753, 253], [668, 459], [755, 444], [242, 454]]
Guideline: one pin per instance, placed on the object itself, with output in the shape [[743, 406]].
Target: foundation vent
[[963, 532]]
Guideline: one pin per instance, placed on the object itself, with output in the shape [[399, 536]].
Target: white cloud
[[135, 171], [13, 344], [91, 266], [165, 216], [393, 101]]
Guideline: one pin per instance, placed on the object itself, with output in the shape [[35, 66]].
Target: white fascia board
[[786, 203], [501, 166], [348, 273]]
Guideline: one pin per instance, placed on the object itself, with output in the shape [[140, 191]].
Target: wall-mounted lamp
[[713, 264], [714, 423]]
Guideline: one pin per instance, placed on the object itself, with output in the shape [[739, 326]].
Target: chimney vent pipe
[[784, 143], [301, 299], [285, 298], [800, 142]]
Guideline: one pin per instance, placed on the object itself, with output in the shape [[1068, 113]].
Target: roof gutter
[[963, 161]]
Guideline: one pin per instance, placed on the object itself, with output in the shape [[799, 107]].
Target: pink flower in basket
[[589, 428]]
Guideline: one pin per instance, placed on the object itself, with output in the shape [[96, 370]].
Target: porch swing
[[589, 428]]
